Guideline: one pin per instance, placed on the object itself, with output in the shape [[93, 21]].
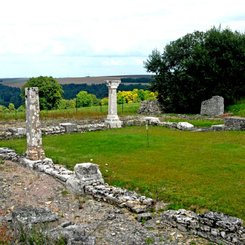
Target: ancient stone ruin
[[150, 107], [112, 119], [33, 129], [213, 106]]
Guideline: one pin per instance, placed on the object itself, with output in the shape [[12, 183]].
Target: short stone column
[[112, 120], [33, 127]]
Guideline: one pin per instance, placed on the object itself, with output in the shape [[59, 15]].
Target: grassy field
[[193, 170], [92, 112]]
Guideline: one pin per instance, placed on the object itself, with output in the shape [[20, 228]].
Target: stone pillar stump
[[33, 128]]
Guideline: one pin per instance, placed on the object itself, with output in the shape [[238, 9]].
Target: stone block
[[21, 131], [73, 184], [184, 126], [152, 120], [113, 123], [88, 172], [213, 106], [30, 215], [69, 127]]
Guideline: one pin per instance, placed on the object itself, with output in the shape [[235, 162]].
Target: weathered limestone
[[85, 174], [152, 120], [112, 120], [33, 130], [213, 106], [150, 107], [216, 227], [235, 123], [185, 126], [69, 127]]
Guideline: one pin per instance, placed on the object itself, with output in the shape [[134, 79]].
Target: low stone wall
[[57, 129], [85, 179], [69, 127], [213, 226], [235, 123], [231, 123]]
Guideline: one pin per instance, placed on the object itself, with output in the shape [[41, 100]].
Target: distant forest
[[13, 95], [10, 95], [100, 90]]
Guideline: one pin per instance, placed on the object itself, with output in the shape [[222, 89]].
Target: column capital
[[113, 83]]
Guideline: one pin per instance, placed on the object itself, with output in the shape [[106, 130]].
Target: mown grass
[[188, 169]]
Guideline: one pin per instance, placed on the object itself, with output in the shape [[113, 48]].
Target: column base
[[35, 153], [113, 123]]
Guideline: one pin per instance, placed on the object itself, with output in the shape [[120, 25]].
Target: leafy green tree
[[196, 67], [2, 108], [21, 108], [84, 99], [104, 101], [11, 107], [67, 104], [50, 91]]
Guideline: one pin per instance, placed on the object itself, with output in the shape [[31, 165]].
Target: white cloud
[[90, 36]]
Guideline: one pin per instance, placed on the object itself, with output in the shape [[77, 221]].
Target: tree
[[84, 99], [67, 104], [11, 107], [50, 91], [196, 67]]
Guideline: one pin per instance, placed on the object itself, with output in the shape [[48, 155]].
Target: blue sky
[[72, 38]]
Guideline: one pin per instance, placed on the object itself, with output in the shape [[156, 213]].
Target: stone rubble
[[150, 107], [216, 227], [235, 123]]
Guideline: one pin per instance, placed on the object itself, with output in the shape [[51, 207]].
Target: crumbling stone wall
[[85, 179], [235, 123], [214, 226]]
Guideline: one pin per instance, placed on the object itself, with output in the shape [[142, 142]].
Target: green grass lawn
[[196, 170]]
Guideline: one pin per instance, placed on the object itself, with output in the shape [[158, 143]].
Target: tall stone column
[[33, 127], [112, 119]]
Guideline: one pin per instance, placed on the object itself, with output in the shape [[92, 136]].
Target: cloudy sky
[[64, 38]]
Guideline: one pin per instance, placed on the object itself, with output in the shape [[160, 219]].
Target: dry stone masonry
[[213, 106], [214, 226], [86, 179], [230, 123], [33, 129], [112, 119], [235, 123]]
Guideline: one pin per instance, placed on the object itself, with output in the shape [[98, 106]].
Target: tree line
[[198, 66], [12, 95], [53, 96]]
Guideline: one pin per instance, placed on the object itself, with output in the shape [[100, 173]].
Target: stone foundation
[[213, 226], [235, 123]]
